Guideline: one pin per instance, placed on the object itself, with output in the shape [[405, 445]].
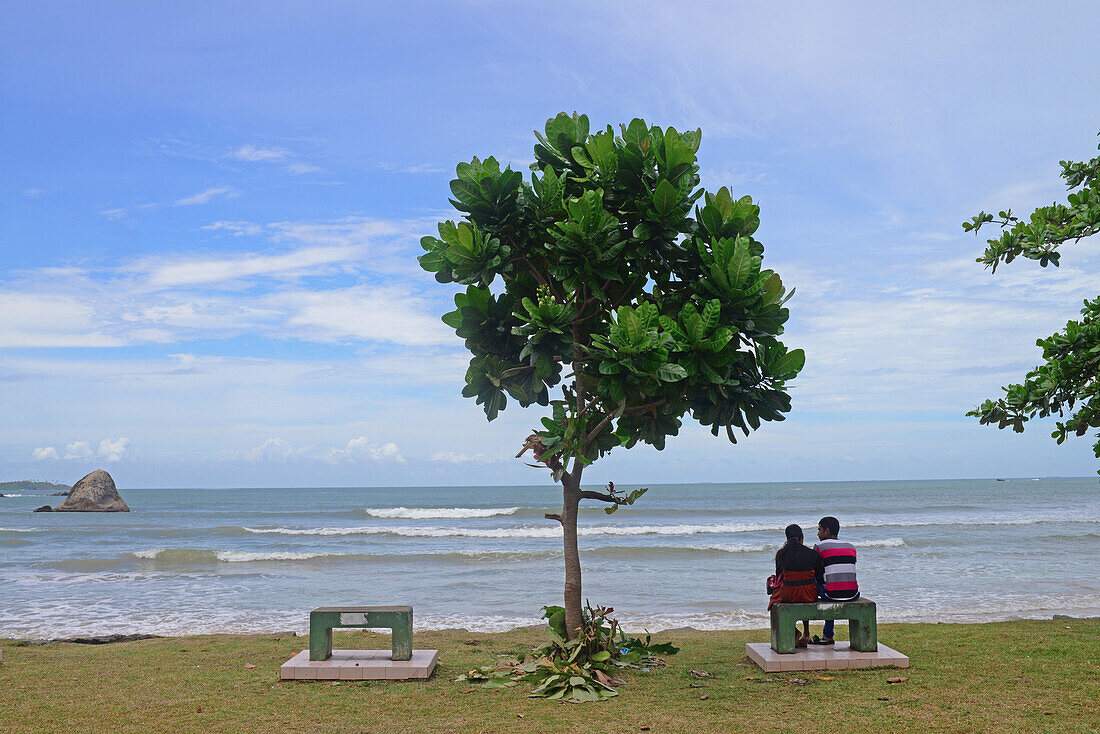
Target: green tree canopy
[[592, 290], [1068, 382]]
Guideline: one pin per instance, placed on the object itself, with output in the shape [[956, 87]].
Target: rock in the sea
[[44, 508], [60, 494], [94, 493]]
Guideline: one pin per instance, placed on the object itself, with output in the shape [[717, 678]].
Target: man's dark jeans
[[827, 632]]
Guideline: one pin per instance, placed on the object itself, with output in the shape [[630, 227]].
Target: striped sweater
[[839, 560]]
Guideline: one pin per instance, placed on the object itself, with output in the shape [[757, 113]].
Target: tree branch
[[639, 409], [628, 291], [601, 496], [551, 516], [538, 276], [597, 430]]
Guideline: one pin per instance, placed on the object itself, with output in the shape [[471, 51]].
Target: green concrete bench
[[861, 616], [323, 620]]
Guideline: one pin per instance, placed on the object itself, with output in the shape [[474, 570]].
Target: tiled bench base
[[359, 665], [823, 657]]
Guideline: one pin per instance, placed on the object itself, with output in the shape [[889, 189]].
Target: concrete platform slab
[[823, 657], [359, 665]]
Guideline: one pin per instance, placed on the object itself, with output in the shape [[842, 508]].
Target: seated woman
[[795, 568]]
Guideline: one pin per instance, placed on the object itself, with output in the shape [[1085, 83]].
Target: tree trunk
[[571, 497]]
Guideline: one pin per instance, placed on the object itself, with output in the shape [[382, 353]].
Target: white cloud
[[237, 228], [34, 193], [383, 313], [273, 449], [411, 169], [112, 450], [452, 457], [298, 168], [205, 196], [361, 448], [172, 273], [50, 321], [357, 449], [121, 212], [253, 153], [42, 454], [78, 450], [273, 154]]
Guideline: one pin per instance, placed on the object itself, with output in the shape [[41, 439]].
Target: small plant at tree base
[[582, 669], [1069, 381], [632, 311]]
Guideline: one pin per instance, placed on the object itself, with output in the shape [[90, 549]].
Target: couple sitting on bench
[[825, 573]]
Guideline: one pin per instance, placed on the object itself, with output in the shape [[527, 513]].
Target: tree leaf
[[665, 198]]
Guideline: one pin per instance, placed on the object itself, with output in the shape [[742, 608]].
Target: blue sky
[[210, 218]]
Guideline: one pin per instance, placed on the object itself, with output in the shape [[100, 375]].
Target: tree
[[1069, 380], [633, 312]]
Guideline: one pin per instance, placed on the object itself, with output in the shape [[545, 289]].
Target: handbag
[[775, 583]]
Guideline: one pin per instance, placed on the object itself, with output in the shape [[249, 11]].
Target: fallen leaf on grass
[[750, 677], [198, 710], [824, 677], [897, 680], [883, 698], [645, 728], [521, 715], [696, 685], [704, 697], [700, 673], [250, 666], [467, 690], [797, 681]]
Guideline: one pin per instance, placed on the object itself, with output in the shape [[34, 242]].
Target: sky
[[210, 216]]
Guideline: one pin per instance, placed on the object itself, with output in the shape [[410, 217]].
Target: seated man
[[836, 580]]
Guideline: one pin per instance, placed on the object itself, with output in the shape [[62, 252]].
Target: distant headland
[[27, 484]]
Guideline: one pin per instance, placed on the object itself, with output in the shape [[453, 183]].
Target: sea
[[187, 561]]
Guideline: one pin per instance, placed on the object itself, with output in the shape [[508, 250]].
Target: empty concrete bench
[[323, 620], [861, 616]]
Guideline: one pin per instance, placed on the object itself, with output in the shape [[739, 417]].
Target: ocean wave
[[20, 530], [627, 551], [211, 557], [526, 531], [5, 496], [201, 555], [554, 531], [432, 513]]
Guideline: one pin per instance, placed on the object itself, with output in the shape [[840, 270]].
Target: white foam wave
[[751, 548], [637, 550], [194, 555], [20, 530], [433, 513], [19, 495], [525, 531]]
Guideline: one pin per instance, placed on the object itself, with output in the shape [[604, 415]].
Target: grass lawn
[[1003, 677]]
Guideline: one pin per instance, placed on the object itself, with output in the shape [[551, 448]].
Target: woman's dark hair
[[794, 533]]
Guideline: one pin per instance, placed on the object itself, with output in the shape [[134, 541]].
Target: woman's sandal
[[799, 640], [815, 640]]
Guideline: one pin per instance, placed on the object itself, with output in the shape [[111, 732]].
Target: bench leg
[[782, 632], [864, 634], [320, 634], [402, 641]]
